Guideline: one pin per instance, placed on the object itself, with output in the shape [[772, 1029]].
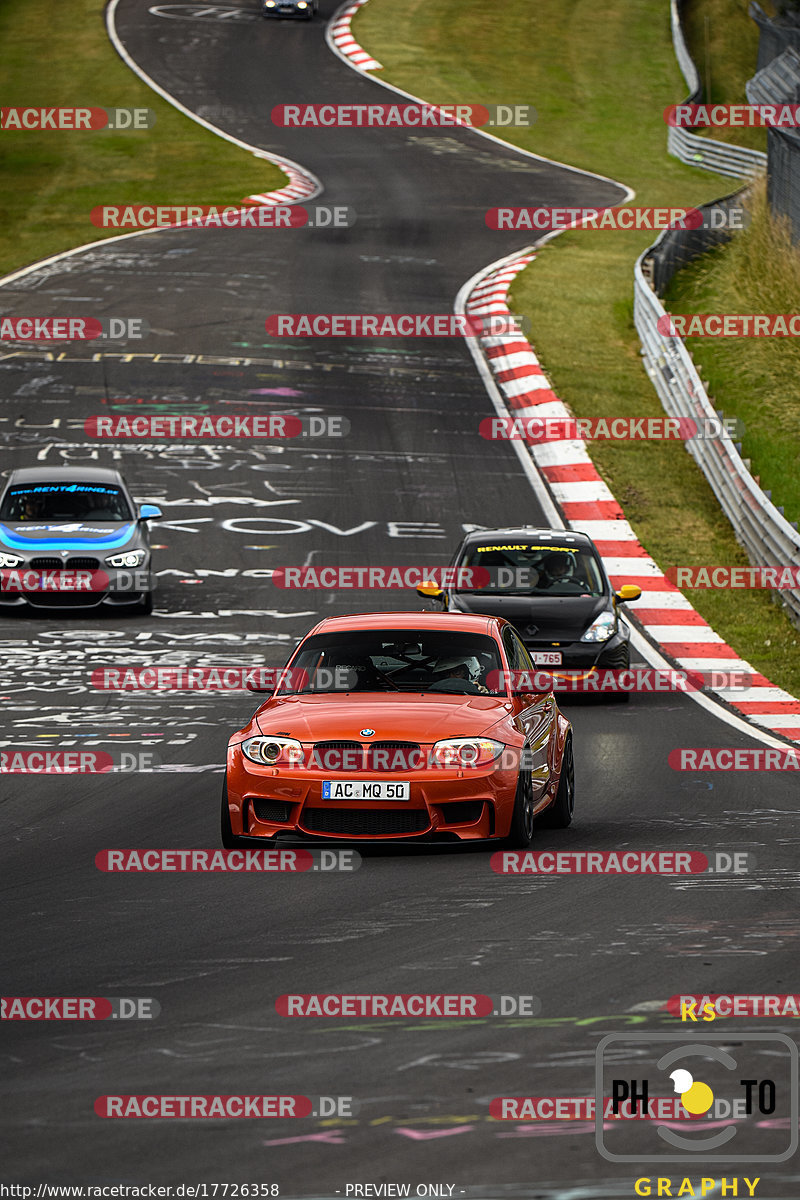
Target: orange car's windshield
[[396, 660]]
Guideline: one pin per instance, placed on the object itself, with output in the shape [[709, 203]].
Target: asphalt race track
[[413, 474]]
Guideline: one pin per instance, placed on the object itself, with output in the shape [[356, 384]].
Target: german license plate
[[546, 658], [365, 789]]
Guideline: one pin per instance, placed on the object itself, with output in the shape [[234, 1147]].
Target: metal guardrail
[[679, 247], [774, 35], [767, 537], [737, 162], [779, 83]]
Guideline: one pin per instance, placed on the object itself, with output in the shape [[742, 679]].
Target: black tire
[[520, 835], [559, 814], [146, 607]]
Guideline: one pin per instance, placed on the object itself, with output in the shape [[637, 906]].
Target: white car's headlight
[[274, 751], [9, 560], [130, 558], [601, 629], [466, 752]]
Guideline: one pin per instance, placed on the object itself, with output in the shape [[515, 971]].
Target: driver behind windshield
[[31, 508], [459, 674]]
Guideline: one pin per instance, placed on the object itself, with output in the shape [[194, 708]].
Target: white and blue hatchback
[[74, 538]]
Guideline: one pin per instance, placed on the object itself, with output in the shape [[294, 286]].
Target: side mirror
[[150, 512], [429, 591], [628, 592]]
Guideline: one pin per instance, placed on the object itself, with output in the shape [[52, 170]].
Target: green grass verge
[[60, 54], [723, 41], [600, 78], [755, 379]]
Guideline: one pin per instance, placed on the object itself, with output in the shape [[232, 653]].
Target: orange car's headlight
[[274, 751], [465, 752]]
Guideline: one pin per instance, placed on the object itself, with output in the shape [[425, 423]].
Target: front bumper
[[121, 588], [464, 805], [613, 654]]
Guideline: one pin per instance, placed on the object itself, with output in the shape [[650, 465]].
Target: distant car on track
[[305, 9], [552, 586], [75, 520], [401, 725]]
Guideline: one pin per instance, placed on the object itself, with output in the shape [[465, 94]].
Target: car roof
[[529, 532], [65, 475], [455, 622]]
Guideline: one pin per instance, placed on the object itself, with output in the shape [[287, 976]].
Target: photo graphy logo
[[741, 1090]]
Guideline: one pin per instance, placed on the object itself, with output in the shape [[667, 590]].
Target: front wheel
[[559, 815], [145, 609], [520, 835]]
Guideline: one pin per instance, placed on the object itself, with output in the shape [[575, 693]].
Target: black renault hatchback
[[551, 585]]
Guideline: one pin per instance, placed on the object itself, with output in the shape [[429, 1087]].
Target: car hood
[[557, 619], [412, 718], [66, 535]]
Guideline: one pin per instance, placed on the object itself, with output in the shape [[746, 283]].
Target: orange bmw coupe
[[404, 725]]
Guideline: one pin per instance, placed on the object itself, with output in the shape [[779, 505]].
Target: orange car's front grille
[[369, 822], [367, 756]]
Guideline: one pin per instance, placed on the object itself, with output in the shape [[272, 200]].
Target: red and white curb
[[587, 504], [302, 185], [340, 39]]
